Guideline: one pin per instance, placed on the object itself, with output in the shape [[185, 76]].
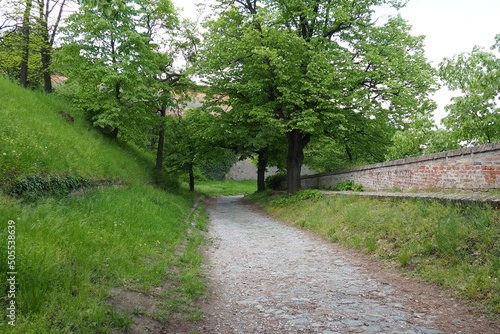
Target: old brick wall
[[472, 168]]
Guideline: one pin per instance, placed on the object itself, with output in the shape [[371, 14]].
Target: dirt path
[[267, 277]]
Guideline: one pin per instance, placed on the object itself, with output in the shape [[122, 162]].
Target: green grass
[[226, 188], [457, 247], [70, 253], [35, 139], [74, 252]]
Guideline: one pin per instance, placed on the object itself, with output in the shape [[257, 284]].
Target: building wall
[[472, 168]]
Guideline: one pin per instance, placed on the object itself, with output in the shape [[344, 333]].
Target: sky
[[450, 27]]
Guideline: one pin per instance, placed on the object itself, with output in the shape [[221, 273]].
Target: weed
[[274, 181], [301, 195], [348, 185]]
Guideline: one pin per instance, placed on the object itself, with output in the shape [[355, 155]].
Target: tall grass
[[70, 253], [36, 139], [456, 246], [226, 188], [73, 253]]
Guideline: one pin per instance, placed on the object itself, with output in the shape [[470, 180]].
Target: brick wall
[[472, 168]]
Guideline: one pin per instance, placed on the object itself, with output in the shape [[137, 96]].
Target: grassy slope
[[71, 252], [36, 139], [456, 247]]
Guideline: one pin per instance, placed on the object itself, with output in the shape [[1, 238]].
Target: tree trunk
[[191, 177], [295, 157], [25, 30], [261, 170], [45, 49], [161, 140], [46, 60]]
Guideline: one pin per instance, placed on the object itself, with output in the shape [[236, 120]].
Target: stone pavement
[[269, 277]]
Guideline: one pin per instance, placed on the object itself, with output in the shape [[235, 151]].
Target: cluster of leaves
[[348, 185], [34, 187], [216, 169], [474, 115], [296, 71], [299, 196], [166, 179], [275, 181]]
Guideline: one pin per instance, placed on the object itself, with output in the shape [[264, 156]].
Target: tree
[[46, 9], [249, 137], [315, 67], [420, 136], [32, 29], [190, 140], [474, 115], [113, 66]]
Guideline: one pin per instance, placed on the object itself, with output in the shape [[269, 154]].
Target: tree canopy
[[328, 82], [474, 115], [311, 68]]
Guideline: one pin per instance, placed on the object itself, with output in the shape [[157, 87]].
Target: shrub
[[301, 195], [166, 180], [348, 185], [274, 181], [33, 187], [216, 169]]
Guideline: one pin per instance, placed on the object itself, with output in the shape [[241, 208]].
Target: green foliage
[[456, 246], [71, 253], [296, 70], [36, 140], [474, 115], [420, 136], [167, 180], [301, 195], [259, 196], [216, 169], [11, 55], [226, 188], [274, 181], [114, 66], [348, 185], [35, 187]]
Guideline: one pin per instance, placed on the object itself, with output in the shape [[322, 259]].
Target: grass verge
[[70, 254], [455, 246], [226, 188]]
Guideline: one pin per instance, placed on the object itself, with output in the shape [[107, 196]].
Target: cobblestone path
[[268, 277]]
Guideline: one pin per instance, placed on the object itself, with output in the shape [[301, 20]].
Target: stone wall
[[246, 170], [472, 168]]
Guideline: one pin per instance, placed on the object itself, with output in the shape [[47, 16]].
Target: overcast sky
[[450, 27]]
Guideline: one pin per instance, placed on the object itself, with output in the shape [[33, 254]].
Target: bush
[[301, 195], [33, 187], [166, 180], [348, 185], [274, 181], [216, 169]]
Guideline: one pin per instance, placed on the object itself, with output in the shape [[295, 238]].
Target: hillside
[[68, 261], [41, 134]]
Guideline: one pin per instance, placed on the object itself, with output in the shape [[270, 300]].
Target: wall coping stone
[[428, 157]]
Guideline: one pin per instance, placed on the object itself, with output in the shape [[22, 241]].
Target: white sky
[[450, 27]]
